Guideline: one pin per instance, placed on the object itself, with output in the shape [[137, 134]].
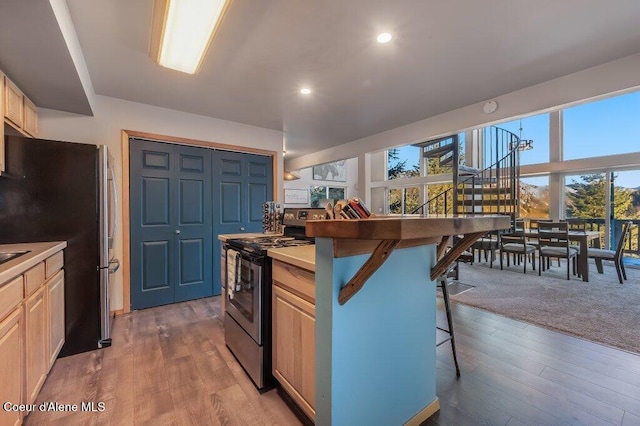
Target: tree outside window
[[326, 192]]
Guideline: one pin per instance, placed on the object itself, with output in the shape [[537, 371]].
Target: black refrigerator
[[63, 191]]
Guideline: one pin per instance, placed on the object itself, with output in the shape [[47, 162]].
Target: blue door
[[171, 234], [242, 184]]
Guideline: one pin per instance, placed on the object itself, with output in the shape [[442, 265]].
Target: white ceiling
[[447, 54]]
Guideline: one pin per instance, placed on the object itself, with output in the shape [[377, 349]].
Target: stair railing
[[492, 190]]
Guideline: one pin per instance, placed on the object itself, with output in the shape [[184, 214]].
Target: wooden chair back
[[577, 225], [553, 234], [513, 236], [533, 223], [626, 227]]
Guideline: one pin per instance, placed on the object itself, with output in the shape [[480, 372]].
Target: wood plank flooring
[[167, 366], [514, 373], [170, 366]]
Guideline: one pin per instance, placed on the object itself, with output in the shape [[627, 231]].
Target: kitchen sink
[[6, 256]]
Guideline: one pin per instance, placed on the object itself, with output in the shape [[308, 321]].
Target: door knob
[[242, 228], [177, 231]]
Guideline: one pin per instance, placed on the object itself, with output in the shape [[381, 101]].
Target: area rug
[[602, 310]]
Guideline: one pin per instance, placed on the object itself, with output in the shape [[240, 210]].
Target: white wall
[[111, 116], [306, 181], [612, 77]]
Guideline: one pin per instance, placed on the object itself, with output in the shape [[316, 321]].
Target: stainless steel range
[[248, 294]]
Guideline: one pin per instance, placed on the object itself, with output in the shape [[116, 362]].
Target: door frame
[[126, 208]]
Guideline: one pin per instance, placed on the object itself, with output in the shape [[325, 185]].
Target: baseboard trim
[[424, 414]]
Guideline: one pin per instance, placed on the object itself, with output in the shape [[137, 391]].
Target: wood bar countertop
[[381, 235], [406, 228]]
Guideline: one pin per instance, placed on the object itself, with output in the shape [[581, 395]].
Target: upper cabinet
[[2, 161], [18, 112], [13, 103], [30, 118]]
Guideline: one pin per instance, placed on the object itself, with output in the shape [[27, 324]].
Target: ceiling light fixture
[[384, 38], [290, 176], [182, 30], [305, 91]]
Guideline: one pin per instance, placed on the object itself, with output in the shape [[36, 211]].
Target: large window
[[627, 202], [404, 200], [587, 198], [403, 162], [535, 128], [534, 197], [320, 193], [603, 127]]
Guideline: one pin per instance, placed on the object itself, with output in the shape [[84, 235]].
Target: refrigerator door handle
[[114, 210], [114, 265]]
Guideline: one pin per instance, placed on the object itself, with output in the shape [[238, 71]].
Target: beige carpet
[[601, 310]]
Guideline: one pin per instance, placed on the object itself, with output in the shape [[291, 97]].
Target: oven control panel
[[298, 217]]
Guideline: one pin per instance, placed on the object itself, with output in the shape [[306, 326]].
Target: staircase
[[490, 189]]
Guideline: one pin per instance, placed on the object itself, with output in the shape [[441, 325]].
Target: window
[[535, 128], [403, 162], [604, 127], [534, 197], [587, 198], [440, 197], [319, 193], [404, 200]]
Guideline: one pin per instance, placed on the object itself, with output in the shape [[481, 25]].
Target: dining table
[[583, 238]]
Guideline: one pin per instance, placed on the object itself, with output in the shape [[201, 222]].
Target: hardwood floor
[[514, 373], [169, 365]]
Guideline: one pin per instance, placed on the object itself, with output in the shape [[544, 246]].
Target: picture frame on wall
[[296, 196], [335, 171]]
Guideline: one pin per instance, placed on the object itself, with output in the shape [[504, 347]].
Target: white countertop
[[37, 253], [301, 256]]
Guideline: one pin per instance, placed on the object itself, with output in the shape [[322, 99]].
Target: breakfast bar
[[375, 341]]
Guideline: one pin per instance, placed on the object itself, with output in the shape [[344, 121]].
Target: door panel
[[257, 197], [155, 265], [155, 201], [152, 224], [242, 184], [231, 208], [195, 238], [259, 184], [171, 235], [192, 202]]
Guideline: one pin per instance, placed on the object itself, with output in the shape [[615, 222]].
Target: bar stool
[[442, 283]]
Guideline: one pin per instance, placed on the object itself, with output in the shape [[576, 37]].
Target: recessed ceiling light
[[384, 38], [305, 91]]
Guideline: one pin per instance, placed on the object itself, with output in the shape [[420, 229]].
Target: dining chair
[[533, 226], [576, 225], [515, 243], [553, 240], [615, 255], [488, 245]]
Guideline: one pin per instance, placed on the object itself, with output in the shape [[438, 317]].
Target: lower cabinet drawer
[[11, 294], [33, 278], [54, 264]]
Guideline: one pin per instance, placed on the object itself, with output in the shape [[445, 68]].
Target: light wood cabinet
[[11, 365], [223, 278], [32, 332], [294, 347], [55, 309], [18, 111], [30, 115], [36, 326], [13, 103], [3, 167]]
